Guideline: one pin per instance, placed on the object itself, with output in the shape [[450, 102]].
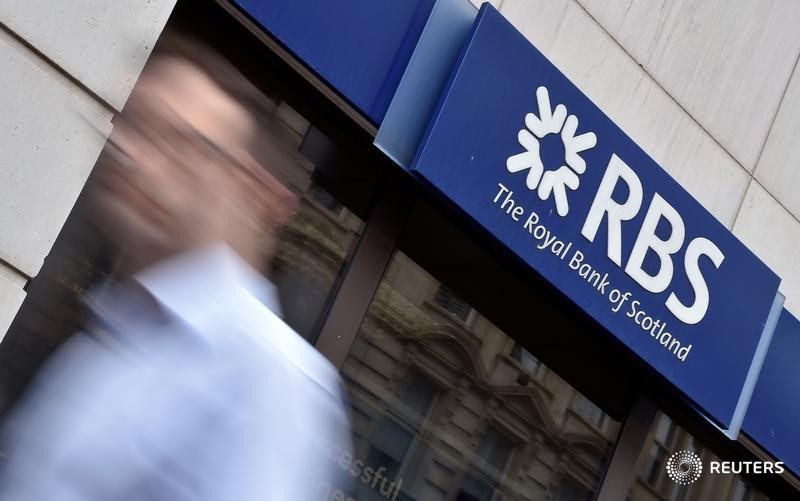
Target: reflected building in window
[[448, 406]]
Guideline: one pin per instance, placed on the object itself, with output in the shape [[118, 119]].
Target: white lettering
[[576, 260], [532, 220], [502, 190], [548, 239], [694, 313], [604, 204], [647, 240]]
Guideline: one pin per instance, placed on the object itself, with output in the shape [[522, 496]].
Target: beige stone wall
[[67, 68]]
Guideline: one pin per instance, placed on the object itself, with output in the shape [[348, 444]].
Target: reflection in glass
[[314, 246], [451, 303], [530, 364], [445, 406]]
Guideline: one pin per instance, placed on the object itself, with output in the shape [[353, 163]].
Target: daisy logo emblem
[[684, 467], [551, 182]]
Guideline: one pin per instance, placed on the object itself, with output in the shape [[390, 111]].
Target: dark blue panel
[[773, 419], [465, 155], [360, 47], [426, 74]]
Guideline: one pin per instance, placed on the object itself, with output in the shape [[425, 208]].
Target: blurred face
[[168, 175]]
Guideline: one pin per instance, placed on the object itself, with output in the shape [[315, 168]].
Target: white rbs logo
[[689, 310], [557, 181]]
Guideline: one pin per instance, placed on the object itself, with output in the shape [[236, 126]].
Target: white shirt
[[203, 394]]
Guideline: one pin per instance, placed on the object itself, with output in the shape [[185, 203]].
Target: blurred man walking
[[187, 385]]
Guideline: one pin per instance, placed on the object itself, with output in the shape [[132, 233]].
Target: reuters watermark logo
[[684, 467]]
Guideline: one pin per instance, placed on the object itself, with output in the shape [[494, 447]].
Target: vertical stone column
[[67, 68]]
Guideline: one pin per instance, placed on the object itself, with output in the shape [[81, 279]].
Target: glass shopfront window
[[447, 406], [317, 241], [652, 482], [331, 177]]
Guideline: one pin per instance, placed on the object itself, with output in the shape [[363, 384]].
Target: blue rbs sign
[[359, 47], [529, 157]]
